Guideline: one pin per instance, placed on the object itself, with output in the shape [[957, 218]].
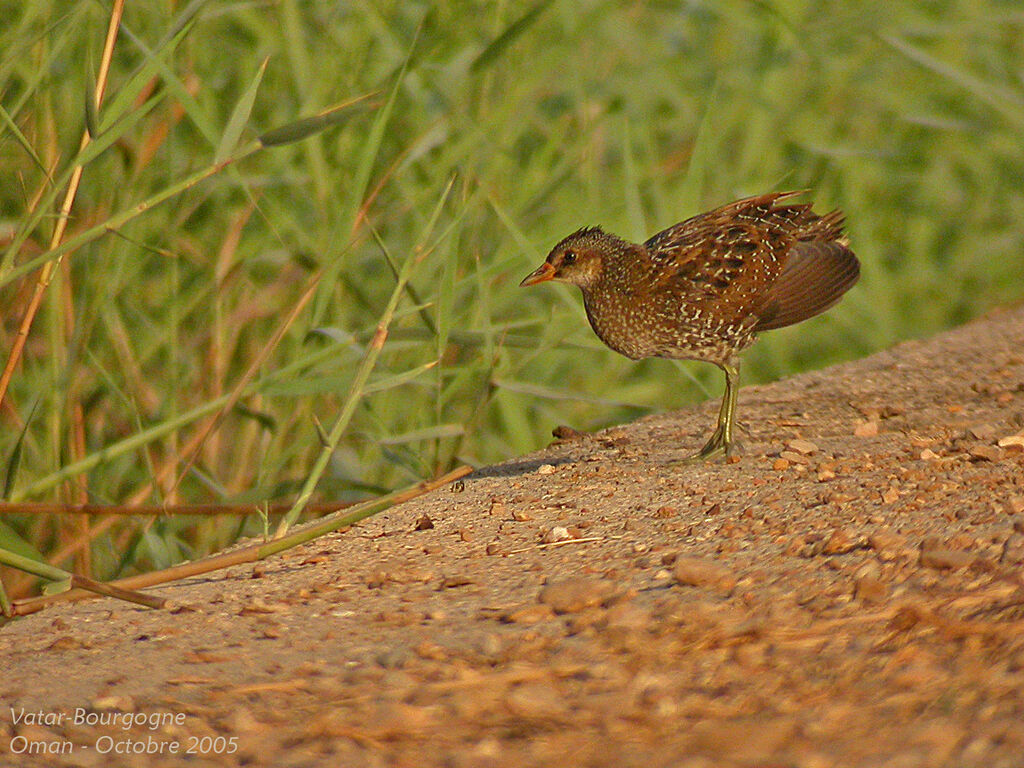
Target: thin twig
[[254, 552], [119, 593], [563, 543], [153, 510], [52, 573]]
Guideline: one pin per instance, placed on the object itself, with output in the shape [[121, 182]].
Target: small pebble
[[431, 651], [558, 533], [840, 542], [459, 580], [627, 616], [537, 701], [868, 589], [887, 544], [982, 432], [530, 614], [491, 645], [1013, 550], [794, 458], [806, 447], [866, 428], [945, 559], [576, 594], [701, 572], [393, 658], [985, 453]]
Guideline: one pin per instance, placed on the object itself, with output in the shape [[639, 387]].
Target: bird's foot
[[716, 446]]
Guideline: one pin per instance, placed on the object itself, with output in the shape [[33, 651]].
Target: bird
[[704, 288]]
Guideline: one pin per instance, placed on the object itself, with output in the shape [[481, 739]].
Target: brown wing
[[725, 255], [756, 258], [814, 276], [761, 209]]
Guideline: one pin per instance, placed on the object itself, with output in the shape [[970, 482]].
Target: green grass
[[494, 130]]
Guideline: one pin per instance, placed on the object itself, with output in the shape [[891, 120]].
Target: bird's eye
[[568, 257]]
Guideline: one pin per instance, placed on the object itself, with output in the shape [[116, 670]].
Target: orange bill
[[542, 273]]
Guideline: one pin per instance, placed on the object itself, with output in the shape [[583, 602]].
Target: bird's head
[[579, 259]]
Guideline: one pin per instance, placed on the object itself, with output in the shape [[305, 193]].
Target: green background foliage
[[490, 131]]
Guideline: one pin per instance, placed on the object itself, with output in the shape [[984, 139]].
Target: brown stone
[[982, 432], [558, 533], [576, 594], [530, 614], [985, 453], [840, 542], [794, 458], [945, 559], [1013, 550], [537, 701], [1012, 442], [806, 447], [701, 572], [868, 589], [866, 428], [627, 616]]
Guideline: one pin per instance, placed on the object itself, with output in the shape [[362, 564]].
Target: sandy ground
[[848, 593]]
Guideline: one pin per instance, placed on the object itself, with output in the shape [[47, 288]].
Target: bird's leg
[[720, 443]]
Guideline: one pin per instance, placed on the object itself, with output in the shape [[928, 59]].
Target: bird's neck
[[624, 272]]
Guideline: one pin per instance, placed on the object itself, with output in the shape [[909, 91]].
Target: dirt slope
[[849, 593]]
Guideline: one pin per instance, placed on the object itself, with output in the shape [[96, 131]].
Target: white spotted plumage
[[702, 289]]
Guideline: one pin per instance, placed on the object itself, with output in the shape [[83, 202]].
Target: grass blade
[[308, 126], [20, 138], [15, 461], [1003, 100], [239, 117], [383, 383], [497, 47]]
